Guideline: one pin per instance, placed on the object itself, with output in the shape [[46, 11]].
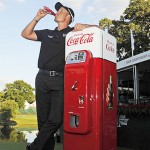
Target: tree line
[[136, 18], [13, 98]]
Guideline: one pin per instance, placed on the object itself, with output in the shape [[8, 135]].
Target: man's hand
[[79, 27], [41, 13]]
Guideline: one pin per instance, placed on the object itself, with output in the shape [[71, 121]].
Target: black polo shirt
[[52, 51]]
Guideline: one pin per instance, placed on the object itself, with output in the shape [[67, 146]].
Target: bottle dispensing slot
[[74, 121]]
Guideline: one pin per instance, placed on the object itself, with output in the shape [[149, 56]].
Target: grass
[[20, 146], [26, 121], [12, 146]]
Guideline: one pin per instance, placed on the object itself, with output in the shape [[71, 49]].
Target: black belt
[[51, 73]]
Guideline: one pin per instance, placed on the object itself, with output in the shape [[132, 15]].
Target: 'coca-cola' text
[[83, 39], [110, 48]]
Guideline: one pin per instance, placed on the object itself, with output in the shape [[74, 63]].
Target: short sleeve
[[40, 34]]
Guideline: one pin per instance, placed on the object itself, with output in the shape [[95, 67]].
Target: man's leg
[[43, 103], [43, 100], [46, 133], [57, 103]]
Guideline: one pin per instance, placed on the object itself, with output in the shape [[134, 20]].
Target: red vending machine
[[90, 118]]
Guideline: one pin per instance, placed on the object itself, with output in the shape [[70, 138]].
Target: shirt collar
[[56, 29]]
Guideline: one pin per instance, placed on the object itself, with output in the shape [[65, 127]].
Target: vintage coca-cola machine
[[90, 121]]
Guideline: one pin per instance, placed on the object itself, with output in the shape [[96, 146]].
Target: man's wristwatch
[[35, 20]]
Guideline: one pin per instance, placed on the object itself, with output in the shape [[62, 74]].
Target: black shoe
[[28, 147]]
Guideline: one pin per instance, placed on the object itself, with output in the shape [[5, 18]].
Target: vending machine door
[[77, 99]]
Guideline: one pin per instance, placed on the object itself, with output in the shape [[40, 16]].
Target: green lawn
[[20, 146], [26, 121], [12, 146]]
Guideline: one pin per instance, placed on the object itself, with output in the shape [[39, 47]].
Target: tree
[[136, 17], [17, 136], [5, 132], [105, 23], [138, 13], [9, 109], [1, 96], [19, 91]]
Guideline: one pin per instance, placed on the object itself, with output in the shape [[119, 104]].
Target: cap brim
[[58, 5]]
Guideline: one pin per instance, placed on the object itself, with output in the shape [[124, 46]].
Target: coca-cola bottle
[[49, 10]]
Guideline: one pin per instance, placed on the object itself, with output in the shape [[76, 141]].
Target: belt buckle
[[52, 73]]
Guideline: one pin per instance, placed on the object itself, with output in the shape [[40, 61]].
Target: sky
[[18, 56]]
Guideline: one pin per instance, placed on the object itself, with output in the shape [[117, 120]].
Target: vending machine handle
[[74, 86]]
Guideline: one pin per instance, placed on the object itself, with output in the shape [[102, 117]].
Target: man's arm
[[80, 27], [28, 31]]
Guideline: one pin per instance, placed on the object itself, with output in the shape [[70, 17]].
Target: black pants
[[49, 101]]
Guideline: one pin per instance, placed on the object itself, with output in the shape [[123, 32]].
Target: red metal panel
[[109, 106], [78, 102], [75, 138], [94, 79]]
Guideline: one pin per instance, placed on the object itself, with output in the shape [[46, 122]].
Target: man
[[49, 80]]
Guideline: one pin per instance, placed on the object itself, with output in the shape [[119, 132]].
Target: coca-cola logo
[[110, 48], [82, 39]]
